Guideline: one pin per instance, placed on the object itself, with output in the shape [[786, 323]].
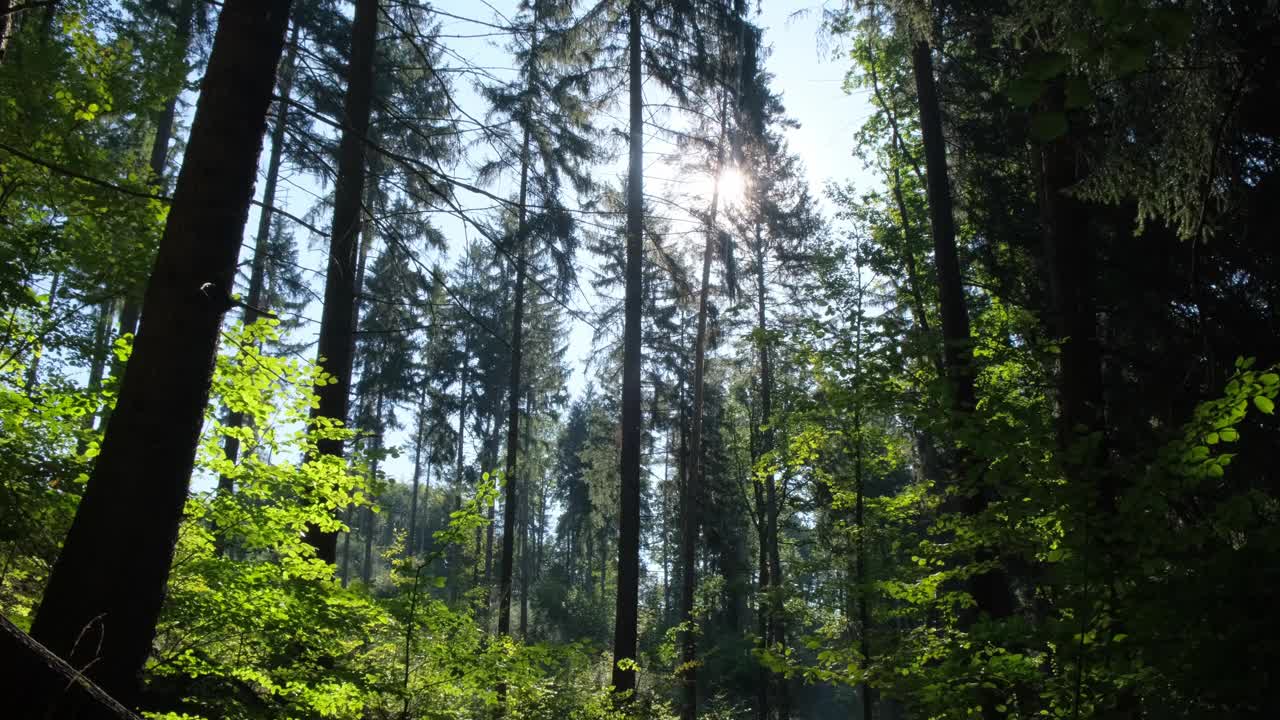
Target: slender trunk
[[1069, 259], [337, 326], [97, 367], [859, 512], [666, 529], [990, 589], [6, 26], [771, 562], [258, 269], [626, 612], [346, 546], [455, 569], [525, 509], [763, 602], [417, 471], [105, 592], [511, 476], [370, 519], [693, 483], [918, 307], [491, 458]]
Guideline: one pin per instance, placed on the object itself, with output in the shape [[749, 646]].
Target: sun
[[733, 185]]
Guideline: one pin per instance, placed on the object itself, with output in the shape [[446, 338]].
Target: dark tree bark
[[526, 567], [990, 589], [455, 559], [258, 269], [626, 612], [1069, 254], [511, 475], [370, 519], [337, 321], [6, 26], [106, 589], [409, 543]]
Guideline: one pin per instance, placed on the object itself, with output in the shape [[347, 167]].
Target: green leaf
[[1211, 438], [1048, 126], [1229, 435], [1264, 404]]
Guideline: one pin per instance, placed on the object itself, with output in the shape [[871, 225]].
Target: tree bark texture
[[626, 612], [337, 321]]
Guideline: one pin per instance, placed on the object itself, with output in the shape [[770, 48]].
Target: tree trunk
[[771, 562], [510, 477], [370, 519], [626, 610], [346, 546], [455, 569], [990, 589], [258, 269], [1069, 259], [409, 545], [106, 589], [859, 513], [693, 482], [101, 348], [337, 321], [6, 26], [525, 510]]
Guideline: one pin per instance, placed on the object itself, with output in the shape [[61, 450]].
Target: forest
[[524, 359]]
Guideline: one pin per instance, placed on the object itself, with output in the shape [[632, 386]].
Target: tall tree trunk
[[258, 269], [6, 26], [106, 589], [337, 321], [771, 562], [409, 545], [525, 510], [626, 610], [1069, 259], [455, 564], [859, 513], [693, 482], [665, 545], [763, 601], [370, 519], [101, 348], [511, 476], [346, 546], [990, 589]]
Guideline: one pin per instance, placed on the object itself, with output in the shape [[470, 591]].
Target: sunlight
[[733, 185]]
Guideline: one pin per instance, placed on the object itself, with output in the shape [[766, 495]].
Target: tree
[[337, 322], [110, 575]]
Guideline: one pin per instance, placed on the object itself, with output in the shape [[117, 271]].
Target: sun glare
[[732, 187]]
